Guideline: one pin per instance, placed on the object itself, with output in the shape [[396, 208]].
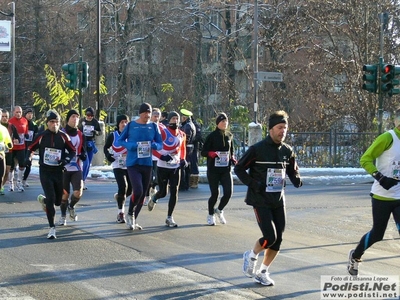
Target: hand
[[257, 186], [94, 132], [166, 157], [298, 183], [28, 161], [64, 161], [385, 182], [212, 154], [183, 163], [153, 145], [110, 158], [233, 161], [82, 156]]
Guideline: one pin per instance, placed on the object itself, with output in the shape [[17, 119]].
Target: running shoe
[[138, 227], [62, 221], [25, 183], [249, 264], [263, 278], [170, 222], [52, 233], [352, 265], [121, 218], [220, 215], [72, 214], [2, 191], [11, 186], [20, 188], [152, 191], [211, 220], [42, 200], [152, 203], [130, 222], [146, 200]]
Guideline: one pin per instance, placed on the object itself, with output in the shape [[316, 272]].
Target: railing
[[318, 149]]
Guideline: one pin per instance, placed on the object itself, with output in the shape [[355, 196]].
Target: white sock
[[120, 211], [20, 174], [11, 176], [264, 267], [253, 255]]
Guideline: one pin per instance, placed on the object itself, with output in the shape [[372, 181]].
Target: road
[[96, 258]]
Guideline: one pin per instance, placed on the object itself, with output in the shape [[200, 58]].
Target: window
[[112, 116]]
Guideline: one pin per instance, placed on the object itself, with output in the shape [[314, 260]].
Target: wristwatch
[[374, 174]]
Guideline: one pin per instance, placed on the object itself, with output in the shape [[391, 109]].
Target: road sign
[[270, 76]]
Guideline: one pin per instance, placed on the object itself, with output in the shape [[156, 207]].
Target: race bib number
[[396, 170], [88, 130], [121, 161], [144, 149], [21, 138], [51, 156], [30, 136], [275, 179], [2, 147], [222, 160]]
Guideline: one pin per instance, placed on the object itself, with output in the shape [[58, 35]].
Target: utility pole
[[98, 59], [383, 17], [255, 67]]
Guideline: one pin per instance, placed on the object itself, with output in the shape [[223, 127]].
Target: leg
[[227, 188], [213, 182]]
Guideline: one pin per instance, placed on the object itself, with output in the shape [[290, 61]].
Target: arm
[[381, 144], [243, 164], [107, 145], [293, 172], [122, 140], [206, 146]]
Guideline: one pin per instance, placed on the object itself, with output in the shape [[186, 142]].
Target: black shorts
[[19, 156]]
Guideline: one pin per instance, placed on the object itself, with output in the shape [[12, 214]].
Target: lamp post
[[12, 15], [255, 67]]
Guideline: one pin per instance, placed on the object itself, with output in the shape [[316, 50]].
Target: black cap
[[89, 111], [72, 112], [121, 118], [221, 117], [172, 114], [145, 107], [52, 115]]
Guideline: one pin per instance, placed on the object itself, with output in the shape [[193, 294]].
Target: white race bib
[[51, 156], [222, 160], [275, 179], [144, 149]]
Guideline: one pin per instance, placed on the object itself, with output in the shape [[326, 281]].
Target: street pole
[[98, 59], [255, 67], [382, 18], [80, 77]]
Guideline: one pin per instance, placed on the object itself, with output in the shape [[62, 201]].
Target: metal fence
[[318, 149]]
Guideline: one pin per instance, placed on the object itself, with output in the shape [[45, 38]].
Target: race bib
[[30, 136], [275, 179], [396, 170], [144, 149], [51, 156], [88, 130], [222, 160], [121, 161]]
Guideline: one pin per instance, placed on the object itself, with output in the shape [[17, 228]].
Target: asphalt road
[[96, 258]]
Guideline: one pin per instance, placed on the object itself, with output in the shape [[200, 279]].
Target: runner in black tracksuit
[[268, 162], [52, 145], [218, 148]]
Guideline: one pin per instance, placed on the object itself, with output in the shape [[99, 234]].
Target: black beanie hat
[[52, 115], [29, 110], [221, 117], [89, 110], [121, 118], [72, 112], [276, 119], [172, 114], [145, 107]]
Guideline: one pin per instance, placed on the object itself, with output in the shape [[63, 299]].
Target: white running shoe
[[121, 217], [52, 233], [352, 265], [20, 188], [11, 186], [130, 222], [152, 192], [152, 203], [211, 220], [170, 222], [25, 183], [72, 214], [146, 200], [41, 198], [62, 221], [220, 215], [263, 278], [249, 264], [138, 227]]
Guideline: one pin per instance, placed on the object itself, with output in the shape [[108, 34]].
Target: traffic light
[[386, 78], [85, 75], [370, 78], [72, 76], [395, 82]]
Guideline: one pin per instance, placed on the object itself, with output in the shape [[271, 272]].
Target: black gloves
[[82, 156], [166, 158], [297, 183], [183, 163], [385, 182], [110, 158], [28, 160], [64, 161], [257, 186]]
